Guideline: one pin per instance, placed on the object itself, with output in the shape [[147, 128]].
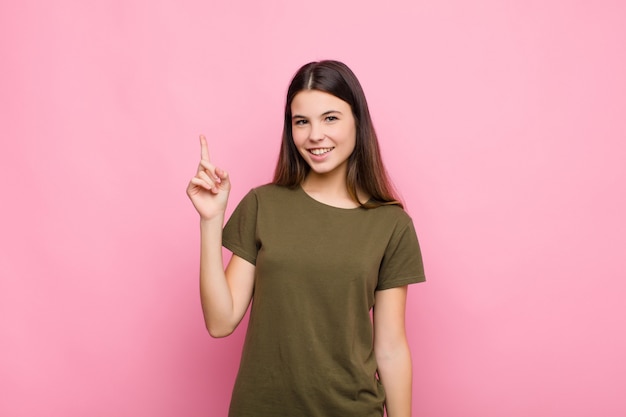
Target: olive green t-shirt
[[309, 345]]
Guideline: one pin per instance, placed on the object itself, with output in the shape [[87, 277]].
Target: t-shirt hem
[[401, 282], [237, 250]]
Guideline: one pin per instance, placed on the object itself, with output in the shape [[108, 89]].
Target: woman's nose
[[317, 132]]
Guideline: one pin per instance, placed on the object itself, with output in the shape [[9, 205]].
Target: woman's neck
[[331, 190]]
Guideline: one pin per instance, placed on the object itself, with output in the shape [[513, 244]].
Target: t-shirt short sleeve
[[402, 262], [239, 235]]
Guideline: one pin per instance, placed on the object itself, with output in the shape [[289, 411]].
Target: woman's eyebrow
[[326, 113]]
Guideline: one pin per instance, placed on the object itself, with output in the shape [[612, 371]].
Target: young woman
[[315, 251]]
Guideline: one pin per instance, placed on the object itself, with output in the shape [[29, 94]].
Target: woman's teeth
[[321, 151]]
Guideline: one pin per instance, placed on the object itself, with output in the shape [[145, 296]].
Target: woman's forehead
[[316, 102]]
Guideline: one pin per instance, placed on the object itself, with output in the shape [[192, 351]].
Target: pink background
[[503, 123]]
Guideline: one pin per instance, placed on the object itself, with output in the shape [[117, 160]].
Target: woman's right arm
[[225, 294]]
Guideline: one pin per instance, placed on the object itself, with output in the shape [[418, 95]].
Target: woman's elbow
[[389, 352], [219, 331]]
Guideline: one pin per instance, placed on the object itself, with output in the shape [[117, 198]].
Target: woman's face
[[324, 131]]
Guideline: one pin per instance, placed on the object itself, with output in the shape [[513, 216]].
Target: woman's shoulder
[[271, 192], [392, 213], [270, 189], [263, 196]]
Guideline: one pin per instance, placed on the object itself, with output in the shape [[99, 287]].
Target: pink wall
[[502, 122]]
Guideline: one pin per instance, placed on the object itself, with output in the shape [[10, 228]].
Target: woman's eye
[[300, 122], [331, 118]]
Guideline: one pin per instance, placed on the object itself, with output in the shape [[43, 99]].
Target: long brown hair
[[366, 171]]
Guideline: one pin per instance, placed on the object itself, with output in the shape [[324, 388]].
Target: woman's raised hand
[[209, 188]]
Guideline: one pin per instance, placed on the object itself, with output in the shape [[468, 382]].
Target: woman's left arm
[[392, 350]]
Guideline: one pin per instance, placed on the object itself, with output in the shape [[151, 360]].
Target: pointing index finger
[[204, 149]]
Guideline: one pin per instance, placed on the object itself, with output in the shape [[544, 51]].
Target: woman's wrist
[[213, 222]]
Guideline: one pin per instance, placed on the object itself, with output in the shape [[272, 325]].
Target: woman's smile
[[320, 151]]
